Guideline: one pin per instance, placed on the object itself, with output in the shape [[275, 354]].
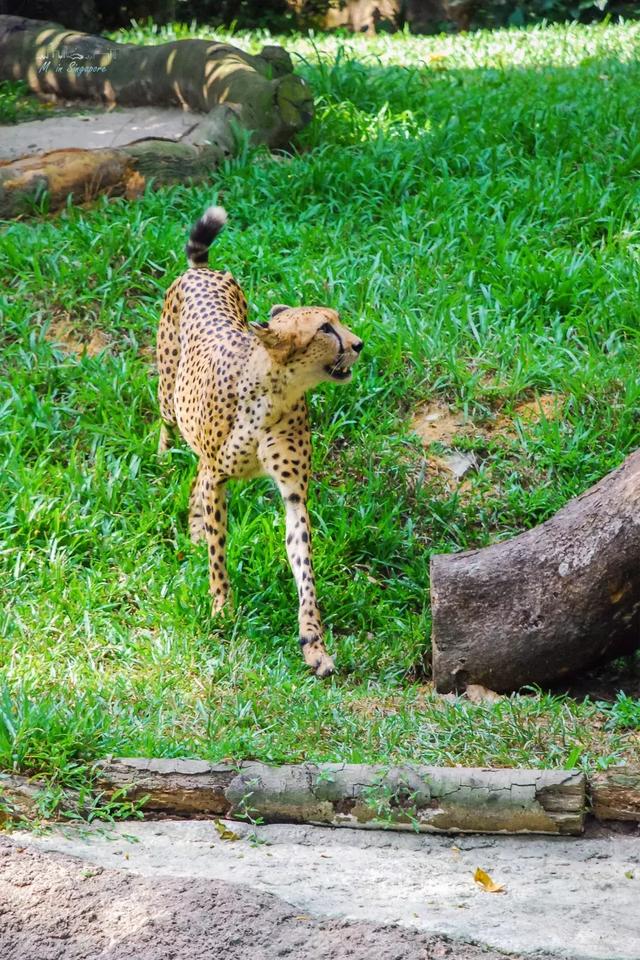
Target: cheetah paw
[[325, 667], [220, 605], [316, 656]]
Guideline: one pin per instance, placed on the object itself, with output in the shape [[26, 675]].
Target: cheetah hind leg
[[196, 512]]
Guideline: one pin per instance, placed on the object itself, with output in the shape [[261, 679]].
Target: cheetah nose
[[358, 346]]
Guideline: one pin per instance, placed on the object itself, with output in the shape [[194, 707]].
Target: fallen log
[[21, 799], [555, 599], [615, 794], [195, 74], [235, 91], [80, 174], [419, 798], [124, 171], [18, 798], [429, 799]]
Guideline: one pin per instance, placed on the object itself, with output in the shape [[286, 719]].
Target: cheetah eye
[[326, 328]]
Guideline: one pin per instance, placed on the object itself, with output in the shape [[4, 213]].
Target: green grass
[[470, 204], [17, 104]]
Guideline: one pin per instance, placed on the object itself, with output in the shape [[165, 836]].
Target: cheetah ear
[[278, 308], [278, 346], [264, 333]]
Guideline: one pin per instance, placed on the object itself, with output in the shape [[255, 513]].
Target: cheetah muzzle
[[236, 391]]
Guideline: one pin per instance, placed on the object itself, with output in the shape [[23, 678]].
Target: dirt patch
[[437, 424], [376, 706], [64, 334], [55, 907], [547, 406]]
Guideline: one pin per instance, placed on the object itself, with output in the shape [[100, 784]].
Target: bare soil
[[56, 907], [604, 681]]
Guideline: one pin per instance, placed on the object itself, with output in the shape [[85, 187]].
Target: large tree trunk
[[553, 600], [197, 74]]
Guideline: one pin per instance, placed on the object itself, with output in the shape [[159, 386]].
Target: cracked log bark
[[426, 799], [615, 794], [232, 88], [18, 798], [553, 600]]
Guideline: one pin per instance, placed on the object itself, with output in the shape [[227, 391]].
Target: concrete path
[[571, 898]]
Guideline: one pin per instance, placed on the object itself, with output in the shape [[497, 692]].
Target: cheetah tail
[[203, 234]]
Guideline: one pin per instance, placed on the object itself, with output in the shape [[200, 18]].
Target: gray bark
[[553, 600]]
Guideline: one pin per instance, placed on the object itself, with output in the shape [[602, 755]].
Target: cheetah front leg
[[288, 464], [208, 518]]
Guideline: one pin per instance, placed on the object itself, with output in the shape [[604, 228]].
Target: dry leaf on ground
[[224, 832], [456, 463], [483, 880]]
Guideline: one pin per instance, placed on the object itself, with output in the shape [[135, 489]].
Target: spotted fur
[[236, 391]]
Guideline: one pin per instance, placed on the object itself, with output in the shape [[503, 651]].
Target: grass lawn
[[471, 205]]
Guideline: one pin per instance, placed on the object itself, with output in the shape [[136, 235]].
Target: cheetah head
[[312, 339]]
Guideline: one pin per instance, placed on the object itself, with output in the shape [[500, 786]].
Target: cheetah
[[236, 392]]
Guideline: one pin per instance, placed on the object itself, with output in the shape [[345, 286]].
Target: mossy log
[[234, 90], [424, 799], [196, 74], [615, 794], [553, 600]]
